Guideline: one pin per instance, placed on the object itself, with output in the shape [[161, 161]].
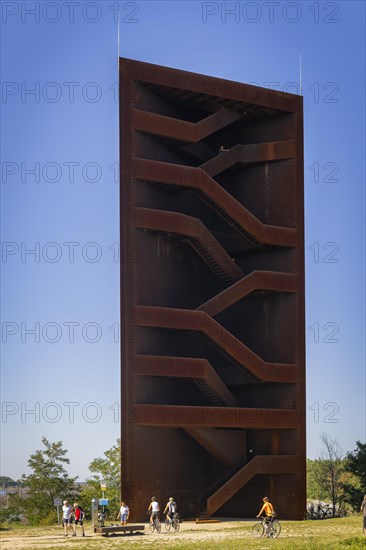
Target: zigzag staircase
[[232, 482], [221, 368]]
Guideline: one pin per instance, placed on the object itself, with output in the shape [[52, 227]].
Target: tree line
[[334, 477], [49, 480]]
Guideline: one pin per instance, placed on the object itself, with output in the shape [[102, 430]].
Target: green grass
[[332, 534]]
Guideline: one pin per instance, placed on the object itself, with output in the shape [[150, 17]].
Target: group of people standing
[[71, 517]]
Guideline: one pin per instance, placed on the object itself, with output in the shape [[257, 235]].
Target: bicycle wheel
[[258, 530], [176, 525], [167, 524], [157, 525], [274, 529]]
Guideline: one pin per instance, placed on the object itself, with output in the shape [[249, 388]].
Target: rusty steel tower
[[212, 300]]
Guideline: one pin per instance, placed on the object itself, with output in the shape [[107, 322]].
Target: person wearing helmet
[[154, 509], [267, 508], [170, 508]]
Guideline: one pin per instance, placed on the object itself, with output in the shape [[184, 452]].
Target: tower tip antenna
[[118, 35], [300, 69]]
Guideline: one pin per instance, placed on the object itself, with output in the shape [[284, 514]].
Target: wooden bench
[[131, 529]]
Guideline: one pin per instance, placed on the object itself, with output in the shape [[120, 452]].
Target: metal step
[[228, 355], [209, 260], [221, 212], [211, 395]]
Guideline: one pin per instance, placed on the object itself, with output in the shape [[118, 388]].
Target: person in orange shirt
[[268, 509]]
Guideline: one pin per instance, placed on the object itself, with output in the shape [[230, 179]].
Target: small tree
[[329, 469], [47, 481], [107, 469], [355, 465], [10, 514]]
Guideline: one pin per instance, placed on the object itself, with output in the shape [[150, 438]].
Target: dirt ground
[[189, 532], [228, 534]]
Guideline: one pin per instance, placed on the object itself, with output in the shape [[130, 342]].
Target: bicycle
[[174, 523], [268, 528], [155, 525], [321, 511]]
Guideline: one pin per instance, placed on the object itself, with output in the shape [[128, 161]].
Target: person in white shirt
[[67, 511], [124, 513], [154, 508]]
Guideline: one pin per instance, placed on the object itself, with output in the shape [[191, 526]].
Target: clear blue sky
[[66, 210]]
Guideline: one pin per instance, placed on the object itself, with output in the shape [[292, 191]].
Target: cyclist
[[268, 509], [170, 508], [154, 508]]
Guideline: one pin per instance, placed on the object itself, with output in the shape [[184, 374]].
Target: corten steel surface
[[212, 301]]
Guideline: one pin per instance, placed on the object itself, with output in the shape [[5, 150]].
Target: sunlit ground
[[342, 533]]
